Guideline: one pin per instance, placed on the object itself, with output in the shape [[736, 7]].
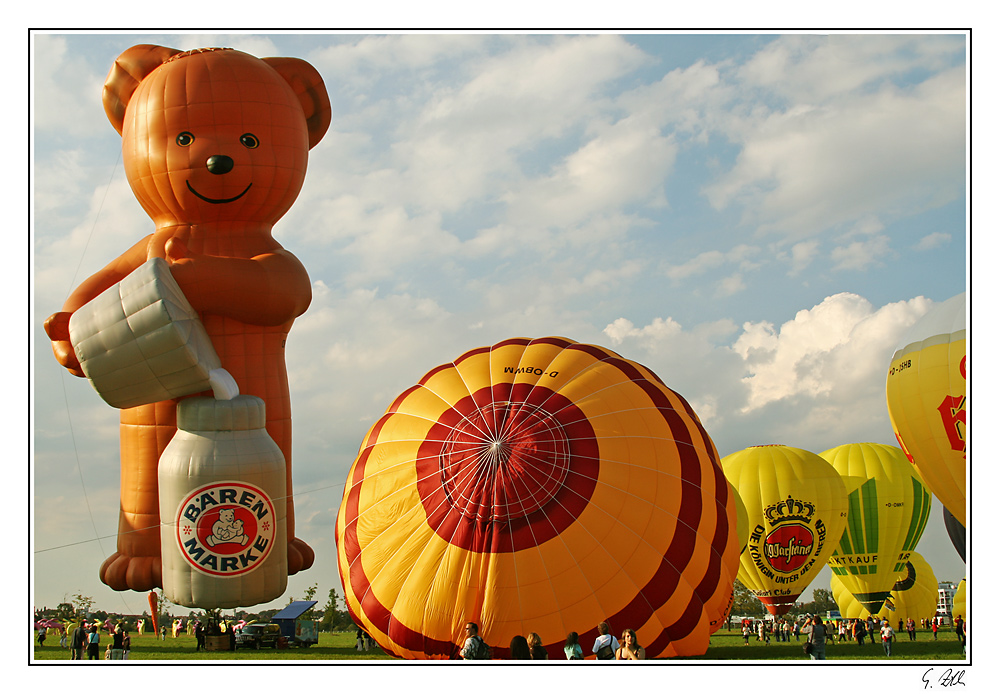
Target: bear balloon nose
[[219, 164]]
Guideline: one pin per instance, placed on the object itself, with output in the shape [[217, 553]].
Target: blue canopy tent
[[301, 632]]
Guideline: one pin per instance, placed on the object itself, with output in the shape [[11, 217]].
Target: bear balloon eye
[[249, 140], [185, 139]]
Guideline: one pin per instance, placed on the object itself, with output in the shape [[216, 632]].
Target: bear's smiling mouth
[[217, 201]]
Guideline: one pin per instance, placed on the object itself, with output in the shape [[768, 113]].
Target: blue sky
[[756, 218]]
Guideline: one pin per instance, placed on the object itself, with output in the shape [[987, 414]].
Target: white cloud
[[932, 241], [817, 378], [816, 162], [801, 256], [66, 91], [861, 255], [626, 163], [463, 138], [688, 100], [837, 346], [733, 284], [711, 260], [816, 68], [357, 61]]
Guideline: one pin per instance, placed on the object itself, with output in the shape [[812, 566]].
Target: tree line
[[332, 616]]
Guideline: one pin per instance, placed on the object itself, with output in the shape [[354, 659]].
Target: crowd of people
[[819, 633], [606, 646], [86, 639]]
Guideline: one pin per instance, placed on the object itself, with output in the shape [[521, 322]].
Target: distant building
[[946, 600]]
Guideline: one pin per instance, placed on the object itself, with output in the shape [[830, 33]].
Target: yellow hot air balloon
[[914, 595], [888, 509], [797, 507], [742, 520], [925, 393], [537, 486]]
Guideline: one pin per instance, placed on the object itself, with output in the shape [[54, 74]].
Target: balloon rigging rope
[[97, 217], [69, 417], [79, 471], [97, 538]]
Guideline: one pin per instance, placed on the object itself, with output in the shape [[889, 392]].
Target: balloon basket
[[218, 642]]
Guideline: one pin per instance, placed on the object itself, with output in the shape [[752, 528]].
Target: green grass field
[[725, 646]]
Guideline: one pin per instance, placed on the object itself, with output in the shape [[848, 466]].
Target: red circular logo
[[788, 547], [226, 528]]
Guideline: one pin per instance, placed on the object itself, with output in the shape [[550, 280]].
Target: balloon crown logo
[[789, 510]]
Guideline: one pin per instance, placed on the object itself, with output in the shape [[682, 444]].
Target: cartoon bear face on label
[[215, 135]]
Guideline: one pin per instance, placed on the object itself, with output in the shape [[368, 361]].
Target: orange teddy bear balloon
[[215, 144]]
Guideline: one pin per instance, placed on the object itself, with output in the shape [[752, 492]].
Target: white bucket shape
[[223, 539], [141, 342]]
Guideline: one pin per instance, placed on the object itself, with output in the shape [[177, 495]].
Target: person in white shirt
[[605, 645], [887, 636]]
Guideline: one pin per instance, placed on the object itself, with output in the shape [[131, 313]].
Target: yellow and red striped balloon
[[925, 393], [537, 486]]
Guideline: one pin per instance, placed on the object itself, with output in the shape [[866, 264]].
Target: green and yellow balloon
[[888, 507], [914, 595]]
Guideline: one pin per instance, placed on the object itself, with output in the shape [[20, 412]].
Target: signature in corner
[[949, 678]]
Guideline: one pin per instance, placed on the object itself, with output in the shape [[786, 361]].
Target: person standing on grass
[[78, 642], [117, 645], [93, 644], [887, 636], [816, 635]]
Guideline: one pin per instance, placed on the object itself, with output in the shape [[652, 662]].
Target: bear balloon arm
[[57, 325], [270, 289]]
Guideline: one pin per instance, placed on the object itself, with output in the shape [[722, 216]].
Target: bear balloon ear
[[129, 70], [311, 92]]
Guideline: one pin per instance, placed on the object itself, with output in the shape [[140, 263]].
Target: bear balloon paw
[[122, 572]]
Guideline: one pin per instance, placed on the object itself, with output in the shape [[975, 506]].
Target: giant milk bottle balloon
[[222, 506]]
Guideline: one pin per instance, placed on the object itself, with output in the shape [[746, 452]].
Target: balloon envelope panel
[[797, 509], [925, 393], [914, 595], [537, 486], [887, 514]]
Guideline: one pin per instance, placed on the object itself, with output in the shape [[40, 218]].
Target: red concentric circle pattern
[[507, 474]]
